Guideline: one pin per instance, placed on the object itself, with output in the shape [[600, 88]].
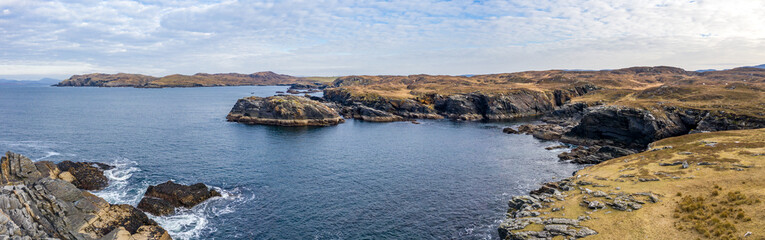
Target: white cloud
[[338, 37]]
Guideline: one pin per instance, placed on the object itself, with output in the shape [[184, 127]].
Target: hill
[[178, 80]]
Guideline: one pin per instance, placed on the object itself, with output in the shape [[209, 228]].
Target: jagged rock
[[87, 175], [624, 127], [35, 204], [373, 115], [509, 130], [593, 154], [559, 229], [283, 111], [555, 147], [156, 206], [159, 198]]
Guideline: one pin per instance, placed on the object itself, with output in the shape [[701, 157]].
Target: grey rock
[[596, 205], [33, 205]]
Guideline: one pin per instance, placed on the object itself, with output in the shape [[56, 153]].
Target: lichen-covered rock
[[87, 175], [36, 204], [283, 111], [164, 198]]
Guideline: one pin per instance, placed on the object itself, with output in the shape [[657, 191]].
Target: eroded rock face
[[36, 204], [466, 107], [283, 111], [87, 175], [164, 198]]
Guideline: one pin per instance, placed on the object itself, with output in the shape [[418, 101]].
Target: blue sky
[[339, 37]]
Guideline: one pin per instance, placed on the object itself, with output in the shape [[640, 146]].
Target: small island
[[283, 111]]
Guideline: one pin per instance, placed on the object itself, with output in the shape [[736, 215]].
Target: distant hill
[[44, 81], [178, 80], [759, 66]]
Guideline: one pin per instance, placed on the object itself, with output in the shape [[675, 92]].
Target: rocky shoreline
[[43, 200], [602, 133]]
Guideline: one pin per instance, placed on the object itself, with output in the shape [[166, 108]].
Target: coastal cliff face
[[469, 107], [635, 128], [36, 203], [283, 111]]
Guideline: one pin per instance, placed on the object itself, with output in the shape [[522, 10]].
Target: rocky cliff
[[37, 204], [471, 106], [283, 111]]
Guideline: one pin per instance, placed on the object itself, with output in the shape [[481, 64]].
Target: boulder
[[87, 175], [162, 199], [509, 130], [283, 111]]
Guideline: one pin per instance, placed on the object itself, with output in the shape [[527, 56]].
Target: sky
[[338, 37]]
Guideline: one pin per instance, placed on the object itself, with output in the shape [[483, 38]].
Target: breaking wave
[[125, 188]]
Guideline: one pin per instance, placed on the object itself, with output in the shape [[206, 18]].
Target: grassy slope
[[736, 185]]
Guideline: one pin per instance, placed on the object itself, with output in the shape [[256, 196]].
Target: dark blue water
[[358, 180]]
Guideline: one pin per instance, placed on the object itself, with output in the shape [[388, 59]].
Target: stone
[[156, 206], [648, 179], [596, 205], [66, 176], [159, 198], [685, 165], [87, 175], [509, 130], [560, 229], [283, 111]]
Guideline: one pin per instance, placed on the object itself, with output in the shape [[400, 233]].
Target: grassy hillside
[[718, 194]]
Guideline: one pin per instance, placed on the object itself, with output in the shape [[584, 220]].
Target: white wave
[[48, 154], [193, 223], [184, 223], [120, 191]]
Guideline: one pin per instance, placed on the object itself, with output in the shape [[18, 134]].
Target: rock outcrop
[[86, 175], [610, 131], [162, 199], [36, 204], [283, 111], [466, 107]]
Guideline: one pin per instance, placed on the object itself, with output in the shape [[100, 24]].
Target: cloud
[[339, 37]]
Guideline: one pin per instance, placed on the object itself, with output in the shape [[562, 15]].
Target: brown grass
[[700, 202]]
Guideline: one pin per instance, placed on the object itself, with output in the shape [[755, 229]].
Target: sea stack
[[283, 111]]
